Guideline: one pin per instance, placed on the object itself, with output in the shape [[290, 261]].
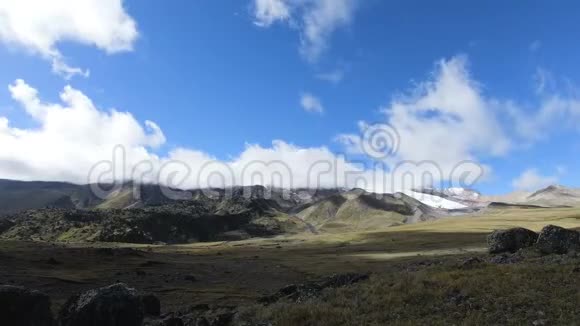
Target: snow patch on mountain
[[435, 201]]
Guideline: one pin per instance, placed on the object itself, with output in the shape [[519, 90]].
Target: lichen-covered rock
[[114, 305], [510, 240], [557, 240], [24, 307]]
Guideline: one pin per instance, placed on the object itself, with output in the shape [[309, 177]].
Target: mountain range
[[143, 213]]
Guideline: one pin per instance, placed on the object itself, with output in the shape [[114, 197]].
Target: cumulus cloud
[[439, 131], [71, 136], [531, 180], [76, 141], [39, 26], [316, 20], [448, 120], [311, 103], [445, 120]]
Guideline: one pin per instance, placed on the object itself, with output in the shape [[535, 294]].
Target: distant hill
[[16, 196], [555, 195], [551, 196]]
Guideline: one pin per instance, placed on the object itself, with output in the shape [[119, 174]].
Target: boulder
[[151, 304], [557, 240], [114, 305], [510, 240], [24, 307]]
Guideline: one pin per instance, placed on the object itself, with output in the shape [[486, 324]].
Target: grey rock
[[505, 259], [510, 240], [114, 305], [557, 240], [24, 307]]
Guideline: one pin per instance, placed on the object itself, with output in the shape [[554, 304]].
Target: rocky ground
[[178, 222], [532, 280]]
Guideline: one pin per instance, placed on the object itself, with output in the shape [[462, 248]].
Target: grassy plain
[[416, 273]]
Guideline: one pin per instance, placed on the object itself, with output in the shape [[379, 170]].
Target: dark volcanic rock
[[505, 259], [151, 304], [114, 305], [5, 224], [471, 262], [340, 280], [557, 240], [510, 240], [23, 307], [303, 292]]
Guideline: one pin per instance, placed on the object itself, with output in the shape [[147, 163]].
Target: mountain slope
[[448, 198], [16, 196], [551, 196], [555, 195], [361, 210]]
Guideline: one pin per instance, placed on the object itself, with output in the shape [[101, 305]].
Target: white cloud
[[74, 136], [269, 11], [531, 180], [448, 119], [555, 113], [333, 77], [316, 20], [76, 141], [445, 120], [311, 103], [70, 137], [39, 26], [441, 129]]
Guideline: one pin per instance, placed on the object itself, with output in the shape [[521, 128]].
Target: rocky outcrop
[[302, 292], [557, 240], [113, 305], [510, 240], [24, 307]]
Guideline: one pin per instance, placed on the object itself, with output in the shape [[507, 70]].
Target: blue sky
[[219, 77]]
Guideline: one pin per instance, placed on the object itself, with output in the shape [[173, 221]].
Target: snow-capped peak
[[434, 200]]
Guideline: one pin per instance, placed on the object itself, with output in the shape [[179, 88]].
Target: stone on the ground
[[151, 305], [558, 240], [114, 305], [24, 307], [510, 240]]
